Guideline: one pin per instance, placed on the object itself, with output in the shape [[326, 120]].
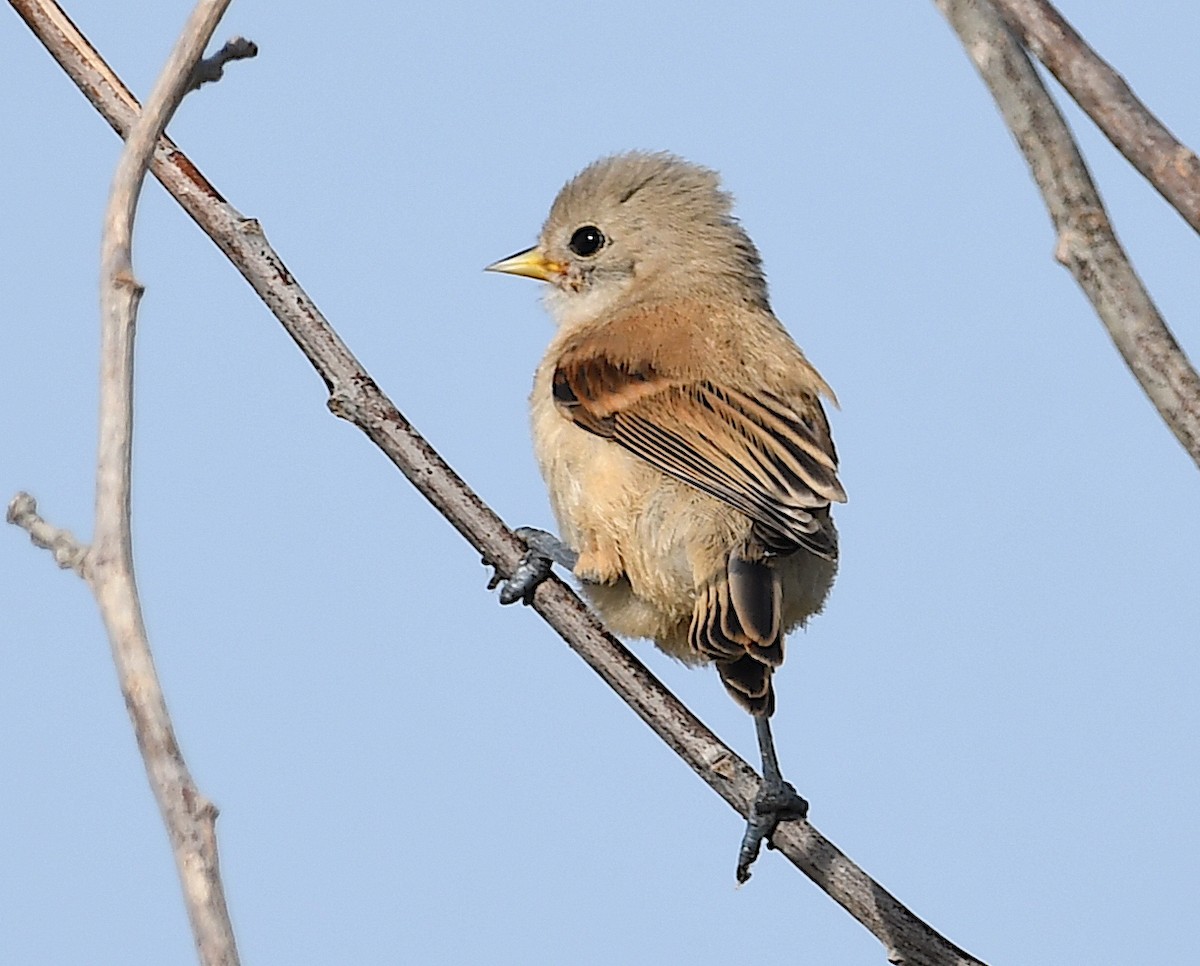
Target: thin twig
[[108, 565], [1172, 167], [355, 396], [1087, 243]]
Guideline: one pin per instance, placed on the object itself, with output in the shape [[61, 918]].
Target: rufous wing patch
[[769, 459]]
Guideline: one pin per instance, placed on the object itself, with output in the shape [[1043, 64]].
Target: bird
[[681, 435]]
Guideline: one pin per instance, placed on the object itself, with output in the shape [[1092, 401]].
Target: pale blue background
[[997, 715]]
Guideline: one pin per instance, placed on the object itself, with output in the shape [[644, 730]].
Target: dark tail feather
[[749, 684], [736, 623], [756, 596]]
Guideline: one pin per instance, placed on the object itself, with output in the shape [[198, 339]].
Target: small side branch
[[67, 551], [1087, 243], [212, 68], [1172, 167]]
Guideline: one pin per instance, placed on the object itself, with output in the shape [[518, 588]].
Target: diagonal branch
[[1087, 243], [355, 396], [1172, 167]]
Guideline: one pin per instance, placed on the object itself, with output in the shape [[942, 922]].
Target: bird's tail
[[737, 625]]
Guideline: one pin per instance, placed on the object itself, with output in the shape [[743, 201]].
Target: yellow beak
[[532, 263]]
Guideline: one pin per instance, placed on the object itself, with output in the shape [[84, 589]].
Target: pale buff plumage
[[677, 425]]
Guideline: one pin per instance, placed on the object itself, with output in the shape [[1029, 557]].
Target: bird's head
[[637, 227]]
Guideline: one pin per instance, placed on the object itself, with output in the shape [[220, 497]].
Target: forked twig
[[1171, 166], [1087, 243], [107, 565]]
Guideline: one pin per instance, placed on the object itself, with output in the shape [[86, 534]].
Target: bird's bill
[[532, 263]]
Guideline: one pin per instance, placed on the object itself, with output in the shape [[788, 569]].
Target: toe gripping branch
[[545, 550], [777, 801]]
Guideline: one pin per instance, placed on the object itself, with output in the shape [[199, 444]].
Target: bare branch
[[1087, 244], [190, 818], [1102, 93], [108, 564], [212, 68], [355, 396]]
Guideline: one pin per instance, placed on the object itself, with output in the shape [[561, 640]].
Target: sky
[[997, 714]]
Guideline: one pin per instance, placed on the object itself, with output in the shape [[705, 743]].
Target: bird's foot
[[545, 550], [777, 801]]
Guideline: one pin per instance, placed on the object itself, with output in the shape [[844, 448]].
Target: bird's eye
[[587, 241]]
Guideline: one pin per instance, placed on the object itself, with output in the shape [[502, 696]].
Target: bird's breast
[[593, 483], [643, 537]]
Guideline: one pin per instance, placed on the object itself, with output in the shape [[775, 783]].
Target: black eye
[[587, 240]]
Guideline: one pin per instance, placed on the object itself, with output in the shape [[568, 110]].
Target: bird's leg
[[776, 801], [545, 550]]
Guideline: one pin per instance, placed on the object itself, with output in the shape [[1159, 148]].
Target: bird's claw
[[545, 550], [775, 803], [533, 569]]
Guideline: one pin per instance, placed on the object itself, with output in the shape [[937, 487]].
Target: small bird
[[680, 432]]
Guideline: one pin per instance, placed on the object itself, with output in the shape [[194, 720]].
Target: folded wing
[[772, 460]]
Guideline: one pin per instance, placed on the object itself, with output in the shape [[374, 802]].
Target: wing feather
[[769, 458]]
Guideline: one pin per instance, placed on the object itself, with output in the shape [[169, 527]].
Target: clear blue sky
[[998, 714]]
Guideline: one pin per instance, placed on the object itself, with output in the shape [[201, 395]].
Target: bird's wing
[[772, 460]]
